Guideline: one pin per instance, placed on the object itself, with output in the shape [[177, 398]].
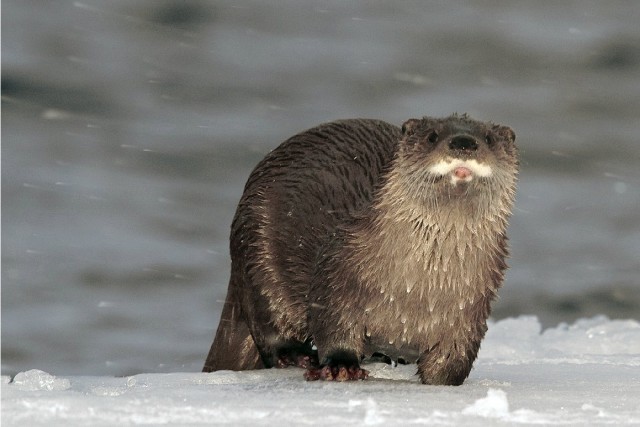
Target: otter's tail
[[233, 347]]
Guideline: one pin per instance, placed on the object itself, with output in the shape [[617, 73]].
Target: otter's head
[[457, 155], [456, 168]]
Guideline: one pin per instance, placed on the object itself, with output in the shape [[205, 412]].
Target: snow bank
[[596, 340], [585, 373]]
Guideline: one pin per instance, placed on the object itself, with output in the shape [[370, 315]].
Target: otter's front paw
[[336, 373]]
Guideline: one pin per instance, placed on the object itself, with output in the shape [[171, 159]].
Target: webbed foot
[[336, 373]]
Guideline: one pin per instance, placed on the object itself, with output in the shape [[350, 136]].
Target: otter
[[359, 239]]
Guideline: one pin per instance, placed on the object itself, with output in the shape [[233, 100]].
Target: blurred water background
[[130, 127]]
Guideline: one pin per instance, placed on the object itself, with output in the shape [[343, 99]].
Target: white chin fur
[[448, 166]]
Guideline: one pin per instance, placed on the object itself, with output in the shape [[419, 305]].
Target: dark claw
[[312, 374]]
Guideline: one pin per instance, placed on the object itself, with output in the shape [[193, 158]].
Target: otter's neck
[[418, 240]]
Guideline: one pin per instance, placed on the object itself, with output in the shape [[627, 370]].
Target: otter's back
[[297, 195]]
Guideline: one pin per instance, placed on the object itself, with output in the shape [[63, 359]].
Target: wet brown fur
[[344, 238]]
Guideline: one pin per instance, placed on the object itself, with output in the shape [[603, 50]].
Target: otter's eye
[[433, 137], [489, 139]]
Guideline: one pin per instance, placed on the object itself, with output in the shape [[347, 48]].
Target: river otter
[[357, 238]]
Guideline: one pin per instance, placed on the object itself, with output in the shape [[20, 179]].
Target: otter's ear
[[505, 132], [410, 126]]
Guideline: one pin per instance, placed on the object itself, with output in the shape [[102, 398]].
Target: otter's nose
[[464, 143]]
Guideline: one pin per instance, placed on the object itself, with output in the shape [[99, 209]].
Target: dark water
[[129, 128]]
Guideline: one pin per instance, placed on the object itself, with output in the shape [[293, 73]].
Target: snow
[[587, 373]]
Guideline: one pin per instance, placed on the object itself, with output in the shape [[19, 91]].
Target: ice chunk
[[39, 380], [494, 405]]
